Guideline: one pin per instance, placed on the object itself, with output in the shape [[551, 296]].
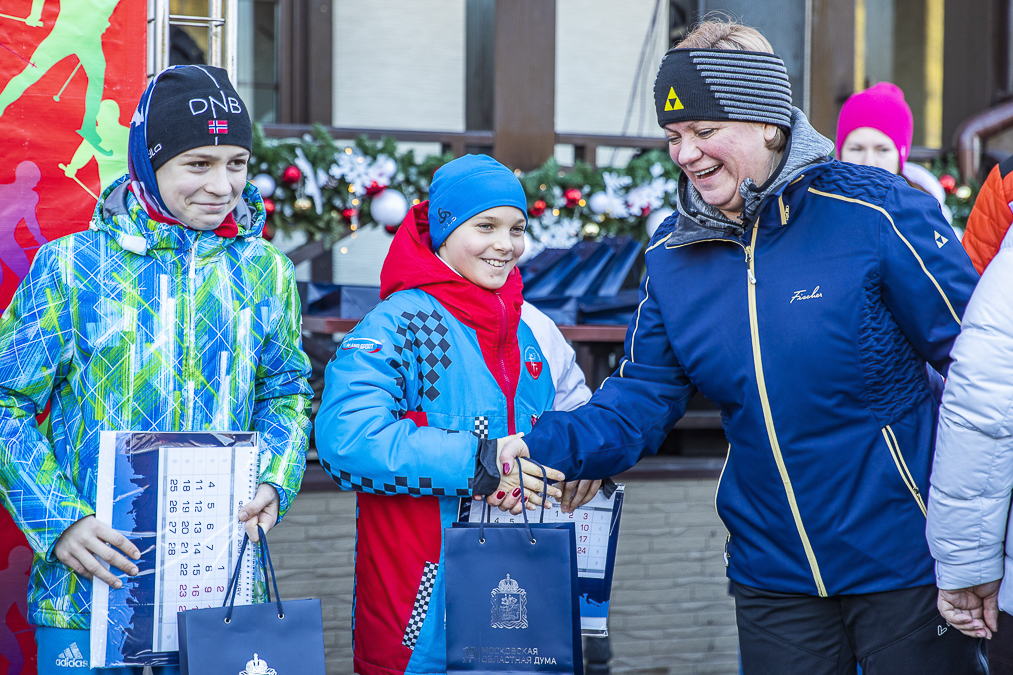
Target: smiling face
[[486, 247], [202, 186], [871, 147], [718, 156]]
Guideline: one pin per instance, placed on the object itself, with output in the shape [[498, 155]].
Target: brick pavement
[[670, 614]]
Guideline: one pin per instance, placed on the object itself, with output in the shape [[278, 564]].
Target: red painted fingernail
[[506, 468], [500, 495], [516, 492], [524, 498]]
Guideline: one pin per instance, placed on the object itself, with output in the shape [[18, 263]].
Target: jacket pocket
[[905, 474]]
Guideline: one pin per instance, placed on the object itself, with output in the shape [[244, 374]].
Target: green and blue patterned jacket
[[138, 325]]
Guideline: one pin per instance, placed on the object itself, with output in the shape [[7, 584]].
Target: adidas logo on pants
[[71, 657]]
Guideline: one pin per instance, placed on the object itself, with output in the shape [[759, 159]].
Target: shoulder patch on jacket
[[366, 344], [865, 183], [533, 361]]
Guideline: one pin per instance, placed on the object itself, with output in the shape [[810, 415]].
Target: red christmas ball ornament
[[538, 208], [291, 175], [949, 183], [572, 196], [375, 189], [268, 232], [349, 214], [270, 207], [646, 211], [391, 229]]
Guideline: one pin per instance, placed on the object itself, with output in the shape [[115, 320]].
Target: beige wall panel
[[399, 64], [598, 45]]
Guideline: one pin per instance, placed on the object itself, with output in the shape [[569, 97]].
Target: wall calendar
[[175, 496]]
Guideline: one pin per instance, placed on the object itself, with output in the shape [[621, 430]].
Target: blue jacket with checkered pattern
[[408, 397]]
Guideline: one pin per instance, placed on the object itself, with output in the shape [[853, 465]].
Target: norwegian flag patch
[[218, 126]]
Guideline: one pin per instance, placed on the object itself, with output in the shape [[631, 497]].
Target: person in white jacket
[[969, 501]]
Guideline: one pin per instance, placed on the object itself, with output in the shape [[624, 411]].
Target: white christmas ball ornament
[[265, 184], [656, 218], [531, 249], [389, 207], [598, 203]]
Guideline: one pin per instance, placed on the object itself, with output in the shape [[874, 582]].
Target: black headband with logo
[[194, 106], [722, 84]]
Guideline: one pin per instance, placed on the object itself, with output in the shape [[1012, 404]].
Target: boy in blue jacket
[[450, 359]]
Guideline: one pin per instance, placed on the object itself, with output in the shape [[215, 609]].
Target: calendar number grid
[[201, 491], [592, 523]]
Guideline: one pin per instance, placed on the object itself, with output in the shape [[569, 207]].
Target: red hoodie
[[493, 315]]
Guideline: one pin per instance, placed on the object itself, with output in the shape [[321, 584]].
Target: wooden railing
[[457, 142], [585, 146], [584, 333]]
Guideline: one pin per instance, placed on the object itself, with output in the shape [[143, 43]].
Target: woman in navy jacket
[[804, 297]]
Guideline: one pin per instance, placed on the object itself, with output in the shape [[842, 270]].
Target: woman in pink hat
[[875, 128]]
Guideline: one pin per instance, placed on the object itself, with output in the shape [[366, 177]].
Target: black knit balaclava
[[722, 84], [194, 106]]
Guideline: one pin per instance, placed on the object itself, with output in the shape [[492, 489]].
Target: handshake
[[512, 496]]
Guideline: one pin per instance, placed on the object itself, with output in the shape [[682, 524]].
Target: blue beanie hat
[[467, 186]]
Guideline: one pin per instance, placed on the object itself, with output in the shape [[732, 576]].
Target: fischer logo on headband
[[673, 102], [722, 84]]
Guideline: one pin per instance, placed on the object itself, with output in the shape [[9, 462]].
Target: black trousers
[[1000, 647], [890, 633]]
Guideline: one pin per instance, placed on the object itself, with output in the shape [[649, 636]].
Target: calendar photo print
[[175, 495]]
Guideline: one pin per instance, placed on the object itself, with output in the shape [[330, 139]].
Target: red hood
[[493, 315]]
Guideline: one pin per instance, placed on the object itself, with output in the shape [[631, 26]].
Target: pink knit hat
[[883, 108]]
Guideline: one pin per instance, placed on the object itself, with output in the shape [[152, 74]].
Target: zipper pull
[[752, 279], [749, 261]]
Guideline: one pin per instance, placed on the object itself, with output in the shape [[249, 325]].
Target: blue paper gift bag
[[277, 637], [511, 592]]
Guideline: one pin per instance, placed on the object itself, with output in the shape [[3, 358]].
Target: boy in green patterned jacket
[[170, 313]]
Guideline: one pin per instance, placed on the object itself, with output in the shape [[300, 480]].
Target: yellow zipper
[[775, 447], [905, 474], [765, 403]]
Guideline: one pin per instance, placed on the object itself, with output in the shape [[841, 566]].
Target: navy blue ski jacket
[[810, 331]]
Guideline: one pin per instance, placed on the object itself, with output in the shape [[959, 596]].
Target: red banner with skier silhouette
[[17, 636], [71, 73]]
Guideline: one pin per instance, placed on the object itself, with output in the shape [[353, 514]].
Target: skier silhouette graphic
[[114, 137], [12, 592], [17, 202], [77, 32]]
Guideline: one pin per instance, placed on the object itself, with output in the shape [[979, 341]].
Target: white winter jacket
[[969, 501]]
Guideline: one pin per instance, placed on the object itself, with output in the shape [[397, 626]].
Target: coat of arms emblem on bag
[[258, 667], [509, 605]]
